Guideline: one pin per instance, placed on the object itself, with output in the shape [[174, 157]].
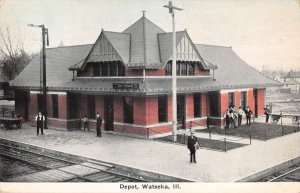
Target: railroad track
[[288, 174], [50, 168]]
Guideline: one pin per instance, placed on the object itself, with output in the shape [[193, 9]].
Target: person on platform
[[267, 113], [227, 119], [240, 116], [39, 123], [86, 123], [98, 124], [192, 145], [248, 113]]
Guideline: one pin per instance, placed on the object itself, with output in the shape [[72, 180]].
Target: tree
[[14, 58]]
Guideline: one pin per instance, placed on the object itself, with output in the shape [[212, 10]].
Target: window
[[183, 68], [113, 70], [244, 100], [197, 105], [128, 109], [214, 104], [55, 106], [230, 99], [73, 104], [91, 107], [105, 69], [162, 108], [97, 70], [178, 69], [190, 69], [169, 69], [121, 69]]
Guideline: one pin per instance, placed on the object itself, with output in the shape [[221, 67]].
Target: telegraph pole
[[174, 83], [44, 33]]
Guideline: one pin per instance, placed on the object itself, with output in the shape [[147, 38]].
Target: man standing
[[85, 123], [267, 113], [248, 113], [240, 116], [39, 123], [98, 124], [192, 145]]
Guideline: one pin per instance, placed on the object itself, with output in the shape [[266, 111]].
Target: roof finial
[[144, 13]]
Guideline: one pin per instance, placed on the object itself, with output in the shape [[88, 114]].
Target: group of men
[[99, 120], [232, 115], [40, 119]]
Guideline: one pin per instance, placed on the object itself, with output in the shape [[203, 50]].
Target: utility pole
[[174, 83], [44, 33]]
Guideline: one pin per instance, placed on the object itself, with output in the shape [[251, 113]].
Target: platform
[[165, 158]]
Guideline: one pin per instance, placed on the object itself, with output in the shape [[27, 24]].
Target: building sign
[[126, 86]]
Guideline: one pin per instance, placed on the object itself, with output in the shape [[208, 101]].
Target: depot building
[[126, 77]]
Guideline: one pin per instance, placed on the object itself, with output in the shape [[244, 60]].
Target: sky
[[264, 33]]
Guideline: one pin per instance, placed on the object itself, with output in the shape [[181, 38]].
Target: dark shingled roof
[[232, 70], [58, 61]]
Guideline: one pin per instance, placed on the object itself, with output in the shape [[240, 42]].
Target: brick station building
[[126, 77]]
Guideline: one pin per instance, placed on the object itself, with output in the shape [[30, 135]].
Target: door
[[181, 111], [108, 113], [255, 102]]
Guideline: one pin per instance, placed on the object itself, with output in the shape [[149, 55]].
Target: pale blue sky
[[263, 32]]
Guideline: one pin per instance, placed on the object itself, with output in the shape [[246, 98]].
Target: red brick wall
[[199, 72], [261, 101], [118, 109], [159, 72], [49, 105], [129, 129], [152, 110], [223, 97], [132, 72], [139, 110], [237, 100], [33, 104], [62, 106], [170, 109], [189, 106]]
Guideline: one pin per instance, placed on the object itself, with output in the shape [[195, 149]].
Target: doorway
[[181, 111], [108, 113]]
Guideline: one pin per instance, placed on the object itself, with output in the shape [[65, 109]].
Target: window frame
[[162, 108]]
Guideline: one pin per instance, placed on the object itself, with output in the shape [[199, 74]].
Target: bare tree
[[14, 58]]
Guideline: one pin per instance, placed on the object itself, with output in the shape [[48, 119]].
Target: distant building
[[126, 77], [5, 93], [291, 81]]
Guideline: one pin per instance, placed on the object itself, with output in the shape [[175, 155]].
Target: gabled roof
[[166, 44], [121, 42], [232, 70], [166, 47], [58, 62], [144, 37]]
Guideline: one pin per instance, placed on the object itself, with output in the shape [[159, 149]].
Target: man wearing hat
[[192, 145], [39, 123]]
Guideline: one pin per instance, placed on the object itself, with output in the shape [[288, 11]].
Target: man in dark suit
[[248, 113], [98, 124], [191, 145]]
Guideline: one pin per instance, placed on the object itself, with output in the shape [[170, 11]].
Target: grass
[[260, 131], [218, 145]]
